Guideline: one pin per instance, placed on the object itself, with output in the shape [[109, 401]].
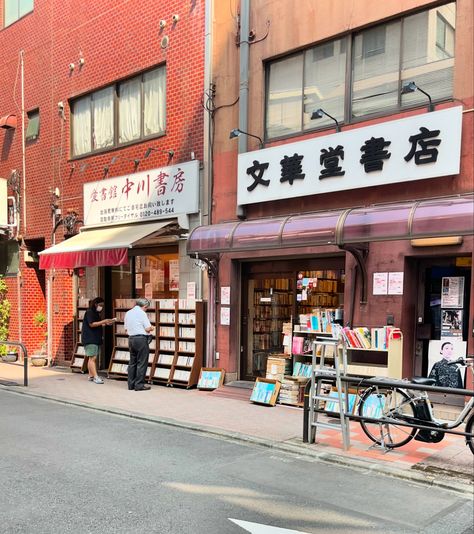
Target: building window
[[417, 48], [9, 257], [32, 130], [15, 9], [122, 113]]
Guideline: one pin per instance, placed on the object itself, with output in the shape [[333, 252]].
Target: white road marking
[[258, 528]]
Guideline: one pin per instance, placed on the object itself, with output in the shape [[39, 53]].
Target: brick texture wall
[[117, 39]]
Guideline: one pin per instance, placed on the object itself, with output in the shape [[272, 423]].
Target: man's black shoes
[[144, 388]]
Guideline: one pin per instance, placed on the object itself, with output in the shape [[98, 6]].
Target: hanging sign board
[[452, 292]]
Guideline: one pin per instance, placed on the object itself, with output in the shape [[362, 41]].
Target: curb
[[450, 482]]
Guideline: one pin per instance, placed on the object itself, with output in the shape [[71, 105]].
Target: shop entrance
[[443, 321], [275, 295]]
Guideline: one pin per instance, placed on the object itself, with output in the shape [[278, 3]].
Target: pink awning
[[100, 247], [85, 258], [448, 216]]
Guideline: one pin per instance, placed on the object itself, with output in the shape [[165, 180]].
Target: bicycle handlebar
[[461, 361]]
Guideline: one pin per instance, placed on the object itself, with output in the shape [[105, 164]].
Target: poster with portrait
[[451, 324], [440, 354]]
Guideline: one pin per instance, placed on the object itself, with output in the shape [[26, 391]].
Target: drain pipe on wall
[[211, 333], [243, 83]]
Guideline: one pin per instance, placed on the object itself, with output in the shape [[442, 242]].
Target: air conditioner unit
[[30, 256]]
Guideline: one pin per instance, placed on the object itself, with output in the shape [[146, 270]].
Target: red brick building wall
[[117, 39]]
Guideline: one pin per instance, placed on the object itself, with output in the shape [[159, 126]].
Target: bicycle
[[385, 406]]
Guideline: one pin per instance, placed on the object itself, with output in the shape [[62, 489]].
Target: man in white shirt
[[138, 327]]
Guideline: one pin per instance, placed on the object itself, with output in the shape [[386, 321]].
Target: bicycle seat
[[422, 381]]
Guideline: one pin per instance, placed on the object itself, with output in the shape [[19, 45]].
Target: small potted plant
[[40, 358]]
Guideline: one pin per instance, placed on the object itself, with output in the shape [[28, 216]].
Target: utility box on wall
[[3, 202]]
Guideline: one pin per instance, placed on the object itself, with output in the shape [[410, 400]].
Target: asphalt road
[[68, 469]]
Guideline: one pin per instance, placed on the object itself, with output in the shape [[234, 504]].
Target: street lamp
[[411, 87], [319, 113], [236, 132]]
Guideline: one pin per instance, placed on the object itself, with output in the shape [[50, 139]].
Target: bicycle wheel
[[470, 430], [387, 403]]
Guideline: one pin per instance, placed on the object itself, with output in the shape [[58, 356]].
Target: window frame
[[116, 118], [348, 39], [34, 136], [9, 258], [19, 17]]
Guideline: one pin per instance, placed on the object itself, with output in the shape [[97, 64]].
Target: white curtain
[[104, 118], [129, 110], [154, 92], [81, 132]]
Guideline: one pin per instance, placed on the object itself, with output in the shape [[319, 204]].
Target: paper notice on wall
[[225, 295], [191, 290], [157, 274], [380, 286], [395, 283], [225, 316], [148, 291], [138, 281], [452, 292], [174, 275]]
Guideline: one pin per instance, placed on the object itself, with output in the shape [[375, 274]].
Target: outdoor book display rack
[[176, 348], [79, 358]]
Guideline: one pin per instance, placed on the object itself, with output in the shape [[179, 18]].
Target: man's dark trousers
[[139, 352]]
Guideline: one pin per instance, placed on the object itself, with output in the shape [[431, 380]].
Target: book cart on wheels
[[118, 366], [79, 358], [179, 342]]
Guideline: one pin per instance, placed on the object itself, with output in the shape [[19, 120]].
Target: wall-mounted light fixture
[[237, 132], [175, 18], [72, 66], [411, 87], [151, 149], [107, 167], [162, 24], [319, 114], [436, 241]]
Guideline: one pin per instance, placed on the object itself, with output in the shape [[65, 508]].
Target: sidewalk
[[227, 412]]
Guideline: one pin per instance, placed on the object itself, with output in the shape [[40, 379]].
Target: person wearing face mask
[[91, 336]]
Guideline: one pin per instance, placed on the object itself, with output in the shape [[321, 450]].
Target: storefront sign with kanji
[[427, 145], [155, 194]]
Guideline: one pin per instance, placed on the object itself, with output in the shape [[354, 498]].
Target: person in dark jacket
[[92, 337]]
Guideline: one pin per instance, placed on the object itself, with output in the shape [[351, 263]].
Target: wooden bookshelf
[[179, 341], [118, 366], [79, 358]]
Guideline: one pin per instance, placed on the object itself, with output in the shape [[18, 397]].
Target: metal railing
[[361, 382], [25, 357]]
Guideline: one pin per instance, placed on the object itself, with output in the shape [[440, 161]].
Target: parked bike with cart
[[392, 415]]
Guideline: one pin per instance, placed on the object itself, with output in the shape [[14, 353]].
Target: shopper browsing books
[[91, 336], [138, 327]]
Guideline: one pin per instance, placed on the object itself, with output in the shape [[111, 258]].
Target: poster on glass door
[[452, 292]]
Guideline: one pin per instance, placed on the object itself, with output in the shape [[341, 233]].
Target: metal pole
[[25, 357]]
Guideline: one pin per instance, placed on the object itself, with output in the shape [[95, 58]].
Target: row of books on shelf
[[178, 374], [319, 299], [267, 325], [330, 274], [302, 369], [363, 338], [166, 331], [186, 332], [278, 283], [277, 299], [269, 312], [319, 320]]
